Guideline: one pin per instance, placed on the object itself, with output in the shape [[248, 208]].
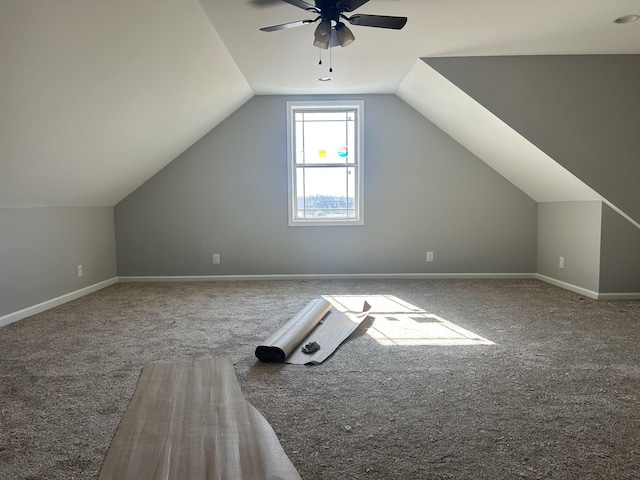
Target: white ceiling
[[286, 61], [97, 96]]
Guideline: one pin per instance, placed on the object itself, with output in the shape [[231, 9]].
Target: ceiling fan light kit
[[331, 30], [323, 34], [345, 36]]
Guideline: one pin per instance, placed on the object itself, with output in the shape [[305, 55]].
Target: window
[[325, 163]]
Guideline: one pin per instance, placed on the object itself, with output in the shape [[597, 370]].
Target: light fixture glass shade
[[345, 37], [334, 39], [323, 34]]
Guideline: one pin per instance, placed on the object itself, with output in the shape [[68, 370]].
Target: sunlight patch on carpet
[[396, 322]]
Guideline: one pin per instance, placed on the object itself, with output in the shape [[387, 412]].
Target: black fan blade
[[284, 26], [349, 5], [303, 5], [380, 21], [263, 3]]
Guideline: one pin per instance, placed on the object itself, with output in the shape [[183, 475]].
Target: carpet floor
[[556, 396]]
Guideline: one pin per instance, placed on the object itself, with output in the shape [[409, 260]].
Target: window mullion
[[346, 177], [304, 171]]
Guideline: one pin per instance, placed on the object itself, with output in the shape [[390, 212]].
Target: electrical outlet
[[216, 259], [79, 270], [561, 263], [429, 256]]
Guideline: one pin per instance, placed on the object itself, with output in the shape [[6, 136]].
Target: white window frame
[[355, 150]]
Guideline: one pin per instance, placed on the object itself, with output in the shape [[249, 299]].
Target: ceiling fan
[[331, 31]]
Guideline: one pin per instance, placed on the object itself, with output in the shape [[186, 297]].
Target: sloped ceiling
[[491, 139], [97, 96], [582, 110]]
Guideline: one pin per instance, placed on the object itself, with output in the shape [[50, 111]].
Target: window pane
[[324, 137], [325, 192], [325, 142]]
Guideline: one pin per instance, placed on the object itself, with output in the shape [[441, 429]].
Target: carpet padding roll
[[316, 323]]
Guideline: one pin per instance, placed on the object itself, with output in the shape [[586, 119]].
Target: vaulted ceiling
[[96, 97]]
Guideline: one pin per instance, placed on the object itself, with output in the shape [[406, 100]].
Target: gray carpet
[[556, 397]]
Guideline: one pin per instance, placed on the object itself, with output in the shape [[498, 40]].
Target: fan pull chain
[[330, 59]]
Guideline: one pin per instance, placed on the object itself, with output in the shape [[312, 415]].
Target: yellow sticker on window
[[322, 154]]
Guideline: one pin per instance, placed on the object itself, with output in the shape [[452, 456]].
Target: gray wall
[[620, 254], [582, 110], [40, 249], [570, 230], [227, 194]]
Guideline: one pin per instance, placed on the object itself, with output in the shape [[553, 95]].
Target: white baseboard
[[619, 296], [568, 286], [326, 276], [54, 302], [589, 293]]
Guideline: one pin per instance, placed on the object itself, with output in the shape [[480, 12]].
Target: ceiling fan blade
[[350, 5], [263, 3], [303, 5], [380, 21], [284, 26]]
